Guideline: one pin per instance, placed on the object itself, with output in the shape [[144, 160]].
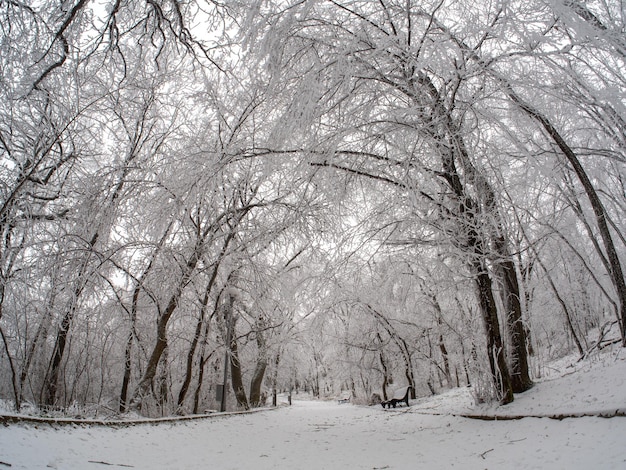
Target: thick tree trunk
[[14, 380], [145, 384], [467, 214], [256, 382], [408, 370], [236, 375], [506, 275], [274, 377], [162, 383], [259, 371], [52, 378], [518, 359], [495, 348]]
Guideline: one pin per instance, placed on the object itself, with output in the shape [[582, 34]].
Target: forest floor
[[432, 433]]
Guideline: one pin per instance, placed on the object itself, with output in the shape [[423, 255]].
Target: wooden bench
[[401, 395], [344, 397]]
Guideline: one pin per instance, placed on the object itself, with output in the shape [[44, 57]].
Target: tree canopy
[[327, 195]]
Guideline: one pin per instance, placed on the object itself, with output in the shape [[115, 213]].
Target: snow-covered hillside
[[430, 434]]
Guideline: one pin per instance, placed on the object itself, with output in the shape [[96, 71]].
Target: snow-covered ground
[[325, 435]]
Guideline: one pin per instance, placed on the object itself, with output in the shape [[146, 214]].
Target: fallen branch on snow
[[111, 464], [25, 419], [558, 416]]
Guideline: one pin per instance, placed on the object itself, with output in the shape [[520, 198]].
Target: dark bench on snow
[[401, 395], [345, 397]]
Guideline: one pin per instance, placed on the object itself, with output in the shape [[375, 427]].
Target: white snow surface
[[311, 434]]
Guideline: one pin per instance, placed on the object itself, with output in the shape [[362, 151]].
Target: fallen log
[[620, 412], [17, 419]]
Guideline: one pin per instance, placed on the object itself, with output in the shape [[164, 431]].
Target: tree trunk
[[518, 359], [14, 381], [198, 390], [259, 371], [274, 377], [161, 342], [446, 362], [52, 378], [568, 318], [133, 320], [256, 382], [466, 215], [383, 364], [42, 330], [162, 389], [236, 375], [191, 353], [127, 367], [128, 350], [495, 349], [203, 361], [615, 272], [442, 346]]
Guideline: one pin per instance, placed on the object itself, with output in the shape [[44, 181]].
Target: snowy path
[[323, 435]]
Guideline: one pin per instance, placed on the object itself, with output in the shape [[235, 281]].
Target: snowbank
[[326, 435]]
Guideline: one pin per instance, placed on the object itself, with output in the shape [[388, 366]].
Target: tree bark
[[383, 364], [236, 375], [259, 371], [256, 382], [518, 359], [495, 348]]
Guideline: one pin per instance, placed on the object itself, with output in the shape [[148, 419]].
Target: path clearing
[[322, 435]]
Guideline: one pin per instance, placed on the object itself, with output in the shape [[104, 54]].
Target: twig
[[5, 464], [112, 464], [486, 452]]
